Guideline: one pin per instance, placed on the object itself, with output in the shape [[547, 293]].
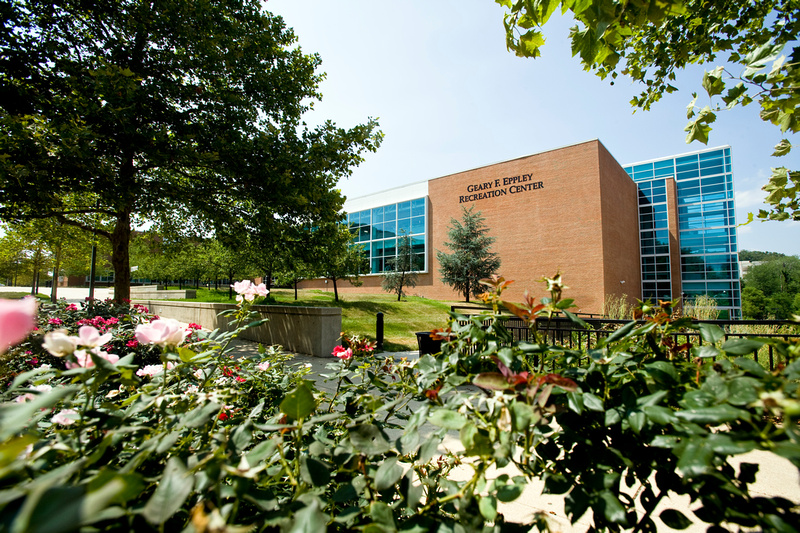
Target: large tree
[[471, 258], [650, 40], [119, 111]]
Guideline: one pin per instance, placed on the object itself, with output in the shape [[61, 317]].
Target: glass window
[[404, 210], [378, 228]]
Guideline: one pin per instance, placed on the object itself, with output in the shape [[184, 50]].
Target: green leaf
[[298, 403], [782, 148], [592, 402], [694, 457], [186, 354], [16, 417], [382, 514], [314, 471], [750, 366], [712, 82], [369, 439], [674, 519], [612, 508], [637, 420], [170, 494], [309, 519], [510, 492], [741, 346], [199, 416], [522, 415], [491, 381], [659, 414], [717, 414], [243, 435], [445, 418], [488, 507], [389, 473], [662, 371], [711, 333], [475, 441], [705, 351]]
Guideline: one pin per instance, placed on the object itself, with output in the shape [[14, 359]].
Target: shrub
[[208, 443]]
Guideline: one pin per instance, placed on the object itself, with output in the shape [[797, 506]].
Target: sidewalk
[[73, 295]]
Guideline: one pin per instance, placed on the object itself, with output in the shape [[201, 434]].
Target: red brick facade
[[572, 210]]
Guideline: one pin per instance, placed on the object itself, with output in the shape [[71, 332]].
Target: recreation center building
[[658, 229]]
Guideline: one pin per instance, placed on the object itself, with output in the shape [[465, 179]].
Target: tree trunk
[[400, 288], [56, 268], [295, 290], [120, 256], [335, 290]]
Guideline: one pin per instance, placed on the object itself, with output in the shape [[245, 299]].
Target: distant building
[[653, 230], [744, 266]]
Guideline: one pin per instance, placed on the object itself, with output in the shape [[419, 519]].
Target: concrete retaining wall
[[155, 292], [305, 330]]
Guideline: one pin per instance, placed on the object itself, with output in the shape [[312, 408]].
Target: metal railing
[[563, 332]]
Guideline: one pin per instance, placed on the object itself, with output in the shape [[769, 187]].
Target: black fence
[[563, 332]]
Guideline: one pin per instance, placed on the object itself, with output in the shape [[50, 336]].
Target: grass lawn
[[401, 319]]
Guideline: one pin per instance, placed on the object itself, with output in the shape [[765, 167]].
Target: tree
[[116, 112], [649, 41], [471, 259], [771, 287], [402, 269], [336, 256], [753, 303]]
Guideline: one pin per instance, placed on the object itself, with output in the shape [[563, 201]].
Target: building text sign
[[500, 187]]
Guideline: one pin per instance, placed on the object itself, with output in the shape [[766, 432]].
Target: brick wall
[[572, 210]]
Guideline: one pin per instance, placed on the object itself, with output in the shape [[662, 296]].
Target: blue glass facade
[[706, 227], [378, 229]]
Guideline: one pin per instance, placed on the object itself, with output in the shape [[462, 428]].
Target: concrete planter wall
[[157, 292], [306, 330]]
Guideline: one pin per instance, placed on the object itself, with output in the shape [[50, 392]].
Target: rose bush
[[204, 442]]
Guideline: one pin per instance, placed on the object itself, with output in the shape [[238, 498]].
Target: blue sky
[[450, 97]]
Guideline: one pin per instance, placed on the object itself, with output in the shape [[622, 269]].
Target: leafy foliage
[[241, 444], [770, 288], [650, 41], [168, 111]]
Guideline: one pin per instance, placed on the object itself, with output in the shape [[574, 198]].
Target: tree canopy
[[650, 40], [772, 288], [123, 111]]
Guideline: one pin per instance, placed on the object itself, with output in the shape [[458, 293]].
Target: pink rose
[[65, 417], [246, 290], [343, 353], [17, 319], [83, 358], [89, 337], [162, 332]]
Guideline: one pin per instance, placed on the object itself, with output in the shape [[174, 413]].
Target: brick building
[[574, 210]]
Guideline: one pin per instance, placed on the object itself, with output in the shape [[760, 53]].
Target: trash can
[[427, 344]]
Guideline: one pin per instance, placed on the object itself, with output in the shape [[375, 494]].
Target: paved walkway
[[73, 295]]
